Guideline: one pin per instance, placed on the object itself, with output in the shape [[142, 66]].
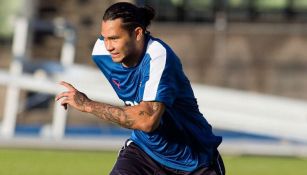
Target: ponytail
[[147, 13], [131, 15]]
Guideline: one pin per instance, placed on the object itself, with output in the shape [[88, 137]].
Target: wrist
[[88, 106]]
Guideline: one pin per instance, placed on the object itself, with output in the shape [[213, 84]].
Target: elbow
[[149, 127]]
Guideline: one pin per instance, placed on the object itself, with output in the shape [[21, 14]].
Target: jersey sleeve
[[160, 82], [102, 57]]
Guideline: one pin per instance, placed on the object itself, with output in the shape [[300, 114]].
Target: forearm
[[144, 116], [114, 114]]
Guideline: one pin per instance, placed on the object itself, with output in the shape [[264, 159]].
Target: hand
[[73, 97]]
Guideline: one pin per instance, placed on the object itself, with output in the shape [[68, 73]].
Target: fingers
[[66, 95], [64, 103], [67, 85], [65, 106], [62, 95]]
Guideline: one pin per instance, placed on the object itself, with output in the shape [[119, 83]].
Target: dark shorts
[[132, 160]]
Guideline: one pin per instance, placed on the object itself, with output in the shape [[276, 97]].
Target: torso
[[171, 144]]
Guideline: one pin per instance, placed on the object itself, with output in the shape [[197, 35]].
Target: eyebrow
[[109, 37], [112, 37]]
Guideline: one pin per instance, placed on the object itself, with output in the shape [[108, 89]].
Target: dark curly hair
[[131, 15]]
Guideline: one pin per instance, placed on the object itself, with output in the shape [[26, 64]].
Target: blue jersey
[[184, 139]]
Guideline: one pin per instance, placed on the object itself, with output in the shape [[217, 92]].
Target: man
[[169, 134]]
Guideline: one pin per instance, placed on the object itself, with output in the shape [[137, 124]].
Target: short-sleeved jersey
[[183, 139]]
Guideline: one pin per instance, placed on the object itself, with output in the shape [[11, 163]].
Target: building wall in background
[[253, 56], [262, 57], [267, 58]]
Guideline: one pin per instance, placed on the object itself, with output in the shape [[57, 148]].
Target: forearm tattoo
[[113, 114], [155, 108], [81, 100], [144, 113], [118, 115]]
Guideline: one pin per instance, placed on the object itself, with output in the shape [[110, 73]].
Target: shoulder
[[102, 57], [156, 48], [99, 47], [159, 52]]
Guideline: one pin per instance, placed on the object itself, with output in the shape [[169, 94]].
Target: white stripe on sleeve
[[157, 64], [99, 48]]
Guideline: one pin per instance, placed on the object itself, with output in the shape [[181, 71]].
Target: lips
[[114, 54]]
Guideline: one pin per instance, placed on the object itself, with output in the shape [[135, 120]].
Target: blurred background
[[246, 59]]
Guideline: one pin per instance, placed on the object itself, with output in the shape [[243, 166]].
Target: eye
[[114, 39]]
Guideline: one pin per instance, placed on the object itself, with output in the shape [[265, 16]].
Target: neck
[[133, 59]]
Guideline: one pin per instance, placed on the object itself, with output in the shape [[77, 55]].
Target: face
[[118, 41]]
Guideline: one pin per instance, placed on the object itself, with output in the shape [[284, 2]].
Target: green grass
[[45, 162], [42, 162], [254, 165]]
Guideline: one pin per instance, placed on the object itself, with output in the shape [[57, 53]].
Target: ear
[[138, 33]]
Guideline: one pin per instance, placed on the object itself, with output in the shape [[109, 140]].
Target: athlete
[[169, 134]]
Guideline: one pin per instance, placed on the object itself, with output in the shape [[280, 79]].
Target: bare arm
[[145, 116]]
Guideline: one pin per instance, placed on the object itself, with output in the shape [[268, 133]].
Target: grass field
[[45, 162]]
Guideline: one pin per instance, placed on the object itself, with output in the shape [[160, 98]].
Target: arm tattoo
[[118, 115], [156, 106], [144, 113], [113, 114], [80, 98]]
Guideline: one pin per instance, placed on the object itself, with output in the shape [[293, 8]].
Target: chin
[[117, 59]]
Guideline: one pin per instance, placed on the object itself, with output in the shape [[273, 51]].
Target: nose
[[109, 45]]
